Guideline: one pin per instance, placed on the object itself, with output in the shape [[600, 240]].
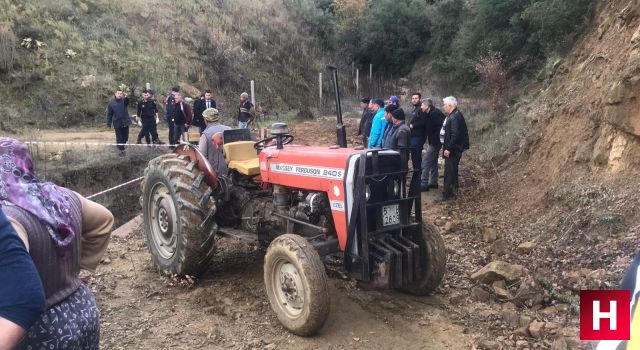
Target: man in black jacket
[[365, 121], [417, 124], [148, 114], [118, 117], [170, 102], [200, 105], [434, 119], [455, 140]]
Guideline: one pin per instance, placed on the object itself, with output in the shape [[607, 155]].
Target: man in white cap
[[246, 112], [211, 141]]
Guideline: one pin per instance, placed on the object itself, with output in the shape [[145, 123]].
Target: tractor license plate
[[390, 215]]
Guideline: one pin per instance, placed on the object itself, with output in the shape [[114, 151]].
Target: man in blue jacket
[[378, 125], [118, 117]]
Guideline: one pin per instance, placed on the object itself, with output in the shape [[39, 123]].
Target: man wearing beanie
[[378, 124], [211, 149], [388, 111], [398, 136], [365, 121]]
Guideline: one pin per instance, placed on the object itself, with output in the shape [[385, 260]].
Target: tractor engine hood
[[305, 167]]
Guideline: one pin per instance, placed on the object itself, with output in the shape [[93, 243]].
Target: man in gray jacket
[[118, 117], [211, 143]]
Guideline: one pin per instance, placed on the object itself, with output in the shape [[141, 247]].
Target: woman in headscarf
[[63, 232]]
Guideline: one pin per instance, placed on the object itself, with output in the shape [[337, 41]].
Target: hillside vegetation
[[61, 59]]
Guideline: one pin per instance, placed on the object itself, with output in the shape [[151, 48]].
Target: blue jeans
[[243, 125], [430, 166]]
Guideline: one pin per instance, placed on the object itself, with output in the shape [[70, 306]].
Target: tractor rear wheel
[[296, 284], [434, 262], [177, 209]]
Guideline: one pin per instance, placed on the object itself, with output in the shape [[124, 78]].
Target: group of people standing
[[180, 116], [383, 125]]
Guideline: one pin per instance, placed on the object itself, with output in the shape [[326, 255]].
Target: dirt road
[[228, 308]]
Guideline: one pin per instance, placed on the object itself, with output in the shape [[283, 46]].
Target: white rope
[[93, 144], [115, 187]]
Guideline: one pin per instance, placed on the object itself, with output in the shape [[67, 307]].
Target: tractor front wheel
[[434, 262], [296, 284], [177, 209]]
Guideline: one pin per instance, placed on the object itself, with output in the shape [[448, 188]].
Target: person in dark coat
[[455, 140], [388, 112], [200, 105], [170, 102], [365, 120], [417, 124], [148, 114], [246, 111], [118, 117], [399, 134], [434, 119], [182, 118]]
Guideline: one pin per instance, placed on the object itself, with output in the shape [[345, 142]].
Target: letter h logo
[[605, 314]]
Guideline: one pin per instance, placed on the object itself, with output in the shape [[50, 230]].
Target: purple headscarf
[[20, 186]]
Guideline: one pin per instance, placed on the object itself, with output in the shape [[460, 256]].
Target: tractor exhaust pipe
[[341, 131]]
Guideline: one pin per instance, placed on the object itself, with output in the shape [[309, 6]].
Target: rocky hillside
[[61, 60], [594, 119]]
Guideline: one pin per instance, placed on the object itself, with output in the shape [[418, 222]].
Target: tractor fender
[[194, 154]]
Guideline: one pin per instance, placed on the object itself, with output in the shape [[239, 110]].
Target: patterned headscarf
[[20, 187]]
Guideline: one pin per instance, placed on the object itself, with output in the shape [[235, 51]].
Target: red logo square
[[605, 315]]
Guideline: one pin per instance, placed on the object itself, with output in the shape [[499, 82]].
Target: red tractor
[[308, 205]]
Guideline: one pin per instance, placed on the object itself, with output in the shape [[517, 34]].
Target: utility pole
[[320, 88], [253, 93], [357, 83]]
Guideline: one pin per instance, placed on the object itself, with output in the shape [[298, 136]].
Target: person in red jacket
[[182, 118]]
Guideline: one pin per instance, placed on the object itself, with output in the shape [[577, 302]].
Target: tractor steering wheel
[[264, 143]]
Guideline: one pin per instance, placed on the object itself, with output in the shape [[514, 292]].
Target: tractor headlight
[[396, 188], [367, 192]]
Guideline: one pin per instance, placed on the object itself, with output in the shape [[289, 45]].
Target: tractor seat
[[242, 157]]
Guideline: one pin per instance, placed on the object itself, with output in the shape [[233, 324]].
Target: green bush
[[517, 30], [554, 23], [395, 35]]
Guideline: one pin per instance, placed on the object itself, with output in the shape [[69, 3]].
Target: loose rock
[[489, 235], [489, 345], [499, 270], [510, 318], [526, 247], [535, 329], [501, 290], [481, 295]]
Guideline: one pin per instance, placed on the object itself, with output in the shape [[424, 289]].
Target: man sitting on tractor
[[211, 141]]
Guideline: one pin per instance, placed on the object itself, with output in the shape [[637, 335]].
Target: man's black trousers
[[171, 126], [451, 164], [122, 136], [149, 127]]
